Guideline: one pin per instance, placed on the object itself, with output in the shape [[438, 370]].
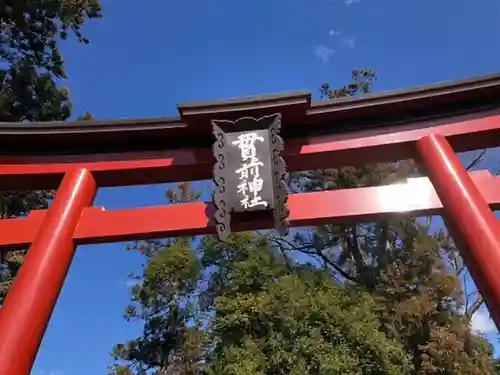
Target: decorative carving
[[249, 172], [281, 211], [222, 216]]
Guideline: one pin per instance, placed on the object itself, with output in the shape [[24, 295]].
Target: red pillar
[[471, 222], [27, 309]]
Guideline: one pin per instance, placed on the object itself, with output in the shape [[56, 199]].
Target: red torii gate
[[428, 124]]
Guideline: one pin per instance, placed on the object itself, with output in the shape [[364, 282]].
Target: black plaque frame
[[224, 210]]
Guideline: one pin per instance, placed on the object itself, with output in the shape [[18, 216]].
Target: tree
[[31, 67], [496, 366], [274, 318], [256, 314], [172, 341]]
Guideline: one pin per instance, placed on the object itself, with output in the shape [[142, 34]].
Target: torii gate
[[428, 124]]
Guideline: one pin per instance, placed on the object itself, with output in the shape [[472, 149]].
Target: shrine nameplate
[[249, 172]]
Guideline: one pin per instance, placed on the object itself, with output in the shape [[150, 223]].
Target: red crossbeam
[[328, 151], [415, 197]]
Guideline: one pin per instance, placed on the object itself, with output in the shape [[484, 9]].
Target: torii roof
[[301, 117]]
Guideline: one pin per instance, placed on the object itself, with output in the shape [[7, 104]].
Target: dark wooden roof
[[301, 117]]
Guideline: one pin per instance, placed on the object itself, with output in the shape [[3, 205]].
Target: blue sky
[[144, 60]]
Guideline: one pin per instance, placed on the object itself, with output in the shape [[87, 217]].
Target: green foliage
[[361, 83], [172, 339], [254, 315], [271, 319], [496, 367], [30, 66], [29, 50]]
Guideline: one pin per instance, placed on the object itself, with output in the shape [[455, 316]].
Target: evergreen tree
[[496, 367], [31, 66], [255, 314], [274, 318]]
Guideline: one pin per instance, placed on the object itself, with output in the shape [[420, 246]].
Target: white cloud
[[482, 322], [349, 42], [323, 53], [48, 372], [131, 282], [347, 2], [334, 32]]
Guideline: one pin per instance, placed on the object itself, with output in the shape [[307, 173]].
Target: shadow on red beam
[[416, 198], [326, 151]]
